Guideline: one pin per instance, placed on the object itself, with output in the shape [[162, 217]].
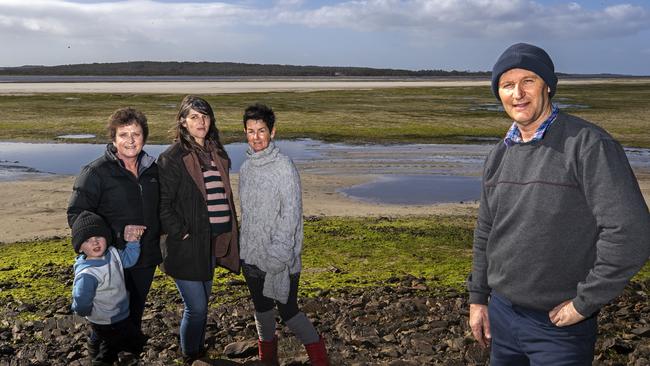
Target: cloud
[[154, 20], [290, 31], [491, 19], [116, 21], [118, 30]]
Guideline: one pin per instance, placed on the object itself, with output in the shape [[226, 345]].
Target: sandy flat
[[216, 87], [36, 208], [224, 87]]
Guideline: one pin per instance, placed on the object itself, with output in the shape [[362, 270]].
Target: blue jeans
[[522, 336], [195, 295]]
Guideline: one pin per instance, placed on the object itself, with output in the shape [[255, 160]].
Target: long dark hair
[[183, 135]]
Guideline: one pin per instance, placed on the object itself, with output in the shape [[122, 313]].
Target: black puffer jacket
[[108, 189], [183, 210]]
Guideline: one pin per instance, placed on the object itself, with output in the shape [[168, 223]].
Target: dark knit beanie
[[87, 225], [528, 57]]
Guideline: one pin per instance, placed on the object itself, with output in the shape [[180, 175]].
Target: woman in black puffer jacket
[[121, 186]]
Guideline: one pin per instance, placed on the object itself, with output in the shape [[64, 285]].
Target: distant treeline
[[152, 68]]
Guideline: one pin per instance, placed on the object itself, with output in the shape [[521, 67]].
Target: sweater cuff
[[478, 298], [583, 308]]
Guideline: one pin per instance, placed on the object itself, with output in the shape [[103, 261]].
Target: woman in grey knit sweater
[[271, 238]]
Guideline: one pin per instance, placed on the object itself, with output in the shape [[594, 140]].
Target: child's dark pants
[[113, 338]]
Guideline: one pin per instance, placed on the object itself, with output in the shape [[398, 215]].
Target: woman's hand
[[133, 232]]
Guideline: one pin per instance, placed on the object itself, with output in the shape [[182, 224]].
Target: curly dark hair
[[124, 117]]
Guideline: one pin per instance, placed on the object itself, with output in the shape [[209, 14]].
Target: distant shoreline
[[193, 78], [181, 78]]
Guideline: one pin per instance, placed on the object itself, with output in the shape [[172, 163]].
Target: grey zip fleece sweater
[[559, 219], [271, 218]]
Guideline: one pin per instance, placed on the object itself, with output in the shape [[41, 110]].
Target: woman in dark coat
[[198, 215], [121, 186]]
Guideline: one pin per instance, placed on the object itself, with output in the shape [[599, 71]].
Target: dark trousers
[[113, 338], [255, 281], [138, 282], [522, 336]]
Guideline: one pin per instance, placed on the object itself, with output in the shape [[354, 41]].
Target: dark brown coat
[[183, 210]]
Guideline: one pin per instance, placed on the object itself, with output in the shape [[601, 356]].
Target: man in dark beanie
[[562, 225], [98, 290]]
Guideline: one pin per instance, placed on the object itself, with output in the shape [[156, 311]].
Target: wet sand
[[33, 209]]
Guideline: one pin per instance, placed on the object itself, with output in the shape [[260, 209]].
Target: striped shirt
[[218, 208], [514, 135]]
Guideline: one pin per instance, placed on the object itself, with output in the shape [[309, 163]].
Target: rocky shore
[[401, 323]]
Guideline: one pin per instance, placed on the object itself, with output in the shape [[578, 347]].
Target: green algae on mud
[[339, 253], [390, 115]]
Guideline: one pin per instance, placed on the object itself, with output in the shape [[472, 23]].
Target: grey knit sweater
[[559, 219], [271, 218]]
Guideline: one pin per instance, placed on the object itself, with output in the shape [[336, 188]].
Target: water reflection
[[77, 136], [406, 174], [21, 158], [417, 189]]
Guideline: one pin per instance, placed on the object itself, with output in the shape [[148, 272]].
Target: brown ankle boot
[[317, 353], [268, 351]]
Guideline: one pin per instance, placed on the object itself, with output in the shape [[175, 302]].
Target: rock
[[241, 349], [390, 338], [389, 351], [391, 324], [402, 363], [6, 350], [642, 331], [476, 354], [422, 347]]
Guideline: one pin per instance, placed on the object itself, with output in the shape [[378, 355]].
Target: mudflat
[[33, 209], [36, 208]]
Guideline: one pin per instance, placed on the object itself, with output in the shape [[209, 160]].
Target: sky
[[581, 36]]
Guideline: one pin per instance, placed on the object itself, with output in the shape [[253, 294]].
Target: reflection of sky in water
[[310, 155], [417, 189], [77, 136], [19, 159], [406, 174]]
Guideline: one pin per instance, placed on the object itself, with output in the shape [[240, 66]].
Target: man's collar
[[513, 136]]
